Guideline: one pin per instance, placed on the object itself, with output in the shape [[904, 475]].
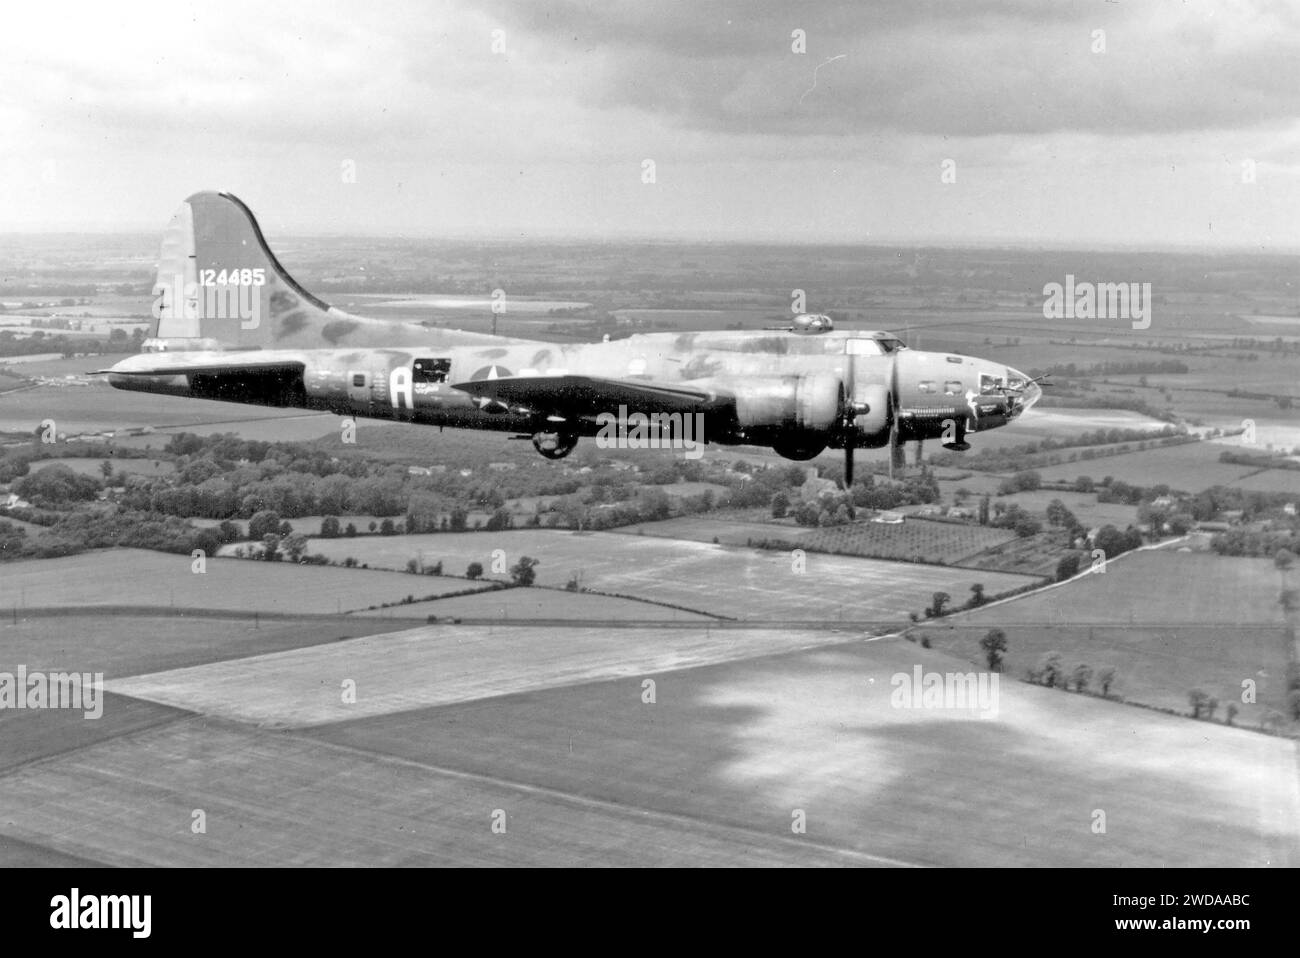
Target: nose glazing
[[1023, 392]]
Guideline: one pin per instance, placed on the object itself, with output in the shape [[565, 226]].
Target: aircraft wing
[[586, 396]]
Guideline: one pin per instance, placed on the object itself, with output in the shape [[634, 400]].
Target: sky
[[1118, 123]]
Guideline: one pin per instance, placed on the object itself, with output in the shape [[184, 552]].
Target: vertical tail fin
[[220, 286]]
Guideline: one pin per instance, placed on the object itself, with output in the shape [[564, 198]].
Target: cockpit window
[[890, 345], [991, 384]]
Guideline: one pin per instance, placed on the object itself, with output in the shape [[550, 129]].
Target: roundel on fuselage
[[490, 372]]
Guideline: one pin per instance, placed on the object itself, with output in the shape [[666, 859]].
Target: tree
[[1026, 526], [1106, 678], [1231, 712], [106, 469], [1283, 559], [807, 514], [994, 644], [263, 523], [984, 511], [1111, 541], [474, 570], [522, 571], [1082, 676], [329, 527], [271, 547], [1067, 567], [386, 528], [976, 596], [350, 531], [1198, 699], [780, 505], [295, 545], [1059, 515], [458, 519], [413, 566], [937, 601], [1050, 672]]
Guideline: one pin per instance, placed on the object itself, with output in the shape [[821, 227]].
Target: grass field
[[742, 583], [139, 577]]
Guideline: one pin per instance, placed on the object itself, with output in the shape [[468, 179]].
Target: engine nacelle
[[871, 427], [810, 403]]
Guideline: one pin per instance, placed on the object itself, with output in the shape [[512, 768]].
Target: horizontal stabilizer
[[206, 363]]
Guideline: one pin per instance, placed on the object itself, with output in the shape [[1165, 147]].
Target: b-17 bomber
[[232, 325]]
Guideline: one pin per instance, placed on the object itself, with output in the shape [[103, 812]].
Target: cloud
[[945, 67]]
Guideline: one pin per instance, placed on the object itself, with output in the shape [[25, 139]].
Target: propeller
[[897, 454]]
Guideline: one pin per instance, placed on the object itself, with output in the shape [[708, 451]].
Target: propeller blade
[[897, 454], [848, 466], [897, 457]]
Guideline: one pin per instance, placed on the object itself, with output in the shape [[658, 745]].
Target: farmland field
[[913, 539], [1189, 467], [1155, 587], [728, 532], [1271, 480], [743, 583], [140, 577], [1153, 665], [1085, 507], [1033, 555], [89, 466], [122, 645]]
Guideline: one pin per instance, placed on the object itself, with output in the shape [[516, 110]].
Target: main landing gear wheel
[[554, 445]]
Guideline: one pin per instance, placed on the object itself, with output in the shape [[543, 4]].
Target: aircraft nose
[[1028, 392]]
